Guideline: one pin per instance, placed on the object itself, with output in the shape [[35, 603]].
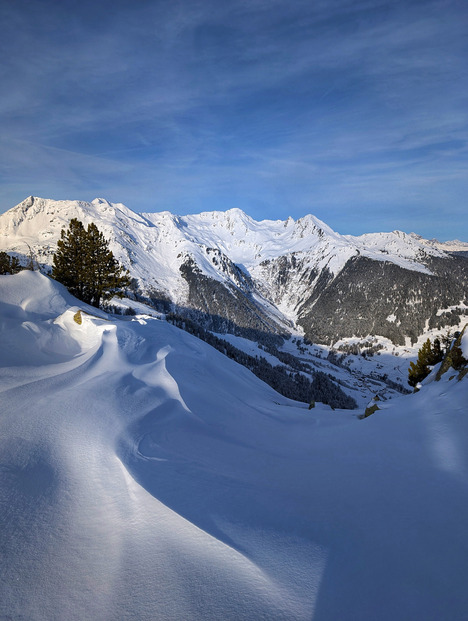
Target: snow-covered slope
[[407, 251], [449, 246], [259, 275], [148, 251], [145, 476], [38, 222]]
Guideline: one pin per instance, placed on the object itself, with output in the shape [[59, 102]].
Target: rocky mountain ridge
[[236, 274]]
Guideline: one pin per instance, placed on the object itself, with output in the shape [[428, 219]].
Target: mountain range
[[144, 475], [231, 273]]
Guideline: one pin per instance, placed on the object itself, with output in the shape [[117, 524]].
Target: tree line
[[287, 382], [9, 264], [431, 354]]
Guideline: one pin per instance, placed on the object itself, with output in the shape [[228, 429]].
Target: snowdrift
[[145, 476]]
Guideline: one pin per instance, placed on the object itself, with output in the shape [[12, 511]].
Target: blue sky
[[353, 110]]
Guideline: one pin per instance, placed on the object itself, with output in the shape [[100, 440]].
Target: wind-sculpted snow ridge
[[145, 476]]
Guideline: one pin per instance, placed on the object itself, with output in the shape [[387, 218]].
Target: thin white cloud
[[265, 101]]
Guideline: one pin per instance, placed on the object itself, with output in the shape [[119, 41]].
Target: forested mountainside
[[233, 274]]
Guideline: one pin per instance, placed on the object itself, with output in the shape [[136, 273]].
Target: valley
[[274, 288]]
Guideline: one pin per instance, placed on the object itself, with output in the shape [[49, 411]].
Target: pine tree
[[447, 340], [436, 352], [105, 276], [86, 266], [8, 264], [458, 361], [428, 355], [69, 260]]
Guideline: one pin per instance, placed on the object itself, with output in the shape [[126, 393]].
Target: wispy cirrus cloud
[[332, 107]]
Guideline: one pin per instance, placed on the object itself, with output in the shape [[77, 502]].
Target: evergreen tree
[[428, 355], [458, 361], [9, 265], [436, 352], [105, 276], [447, 340], [69, 260], [86, 266]]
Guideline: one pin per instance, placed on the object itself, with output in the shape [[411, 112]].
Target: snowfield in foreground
[[143, 475]]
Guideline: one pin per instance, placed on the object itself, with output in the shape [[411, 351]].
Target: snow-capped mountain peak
[[245, 240], [405, 250], [255, 273]]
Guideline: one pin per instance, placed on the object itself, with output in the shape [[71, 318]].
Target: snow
[[464, 345], [460, 308], [154, 246], [449, 246], [397, 247], [248, 242], [143, 475]]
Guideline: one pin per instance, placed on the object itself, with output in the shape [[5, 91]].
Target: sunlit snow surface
[[146, 476], [155, 245]]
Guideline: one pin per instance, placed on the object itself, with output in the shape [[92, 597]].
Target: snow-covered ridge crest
[[226, 263], [449, 246], [155, 246], [244, 240], [406, 250]]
